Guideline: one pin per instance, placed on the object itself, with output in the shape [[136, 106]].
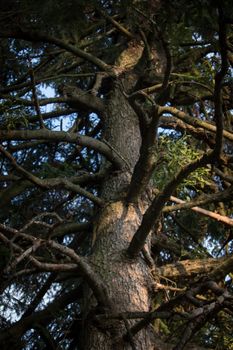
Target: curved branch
[[20, 185], [42, 37], [46, 184], [62, 136]]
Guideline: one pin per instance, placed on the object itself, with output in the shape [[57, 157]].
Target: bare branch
[[91, 277], [217, 197], [193, 121], [24, 255], [190, 268]]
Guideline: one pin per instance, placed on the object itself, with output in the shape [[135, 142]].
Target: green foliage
[[177, 154]]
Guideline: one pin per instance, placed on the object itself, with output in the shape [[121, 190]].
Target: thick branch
[[148, 155], [70, 227], [78, 98], [222, 269], [153, 212], [190, 268]]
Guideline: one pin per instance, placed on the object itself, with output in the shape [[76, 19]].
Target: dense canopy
[[116, 183]]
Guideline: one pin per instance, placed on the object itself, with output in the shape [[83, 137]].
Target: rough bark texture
[[128, 282], [123, 134], [117, 224]]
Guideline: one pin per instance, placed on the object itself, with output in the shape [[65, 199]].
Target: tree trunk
[[128, 281]]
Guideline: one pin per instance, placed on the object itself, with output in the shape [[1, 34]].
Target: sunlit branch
[[193, 121], [211, 198], [179, 125], [190, 268], [198, 315]]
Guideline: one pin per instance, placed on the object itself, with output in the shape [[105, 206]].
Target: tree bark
[[128, 282]]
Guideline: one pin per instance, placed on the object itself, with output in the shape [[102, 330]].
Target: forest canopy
[[116, 183]]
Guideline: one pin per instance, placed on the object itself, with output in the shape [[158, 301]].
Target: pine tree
[[116, 174]]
